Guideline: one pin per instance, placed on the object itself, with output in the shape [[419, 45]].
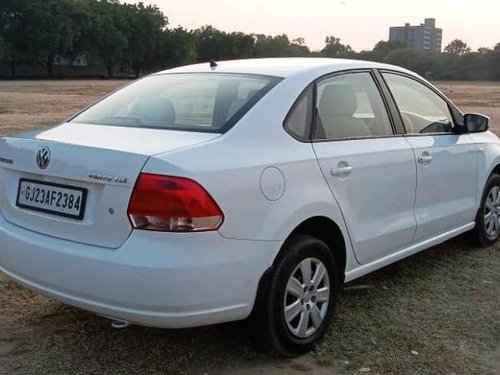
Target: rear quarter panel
[[230, 168]]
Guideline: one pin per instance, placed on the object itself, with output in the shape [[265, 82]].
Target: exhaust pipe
[[119, 324]]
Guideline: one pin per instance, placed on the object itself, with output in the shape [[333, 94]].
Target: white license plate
[[62, 200]]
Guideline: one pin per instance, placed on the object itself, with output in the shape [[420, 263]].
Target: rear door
[[447, 161], [370, 169]]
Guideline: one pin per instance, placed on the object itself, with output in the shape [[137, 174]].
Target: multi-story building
[[426, 36]]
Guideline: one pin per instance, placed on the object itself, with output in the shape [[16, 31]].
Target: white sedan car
[[243, 189]]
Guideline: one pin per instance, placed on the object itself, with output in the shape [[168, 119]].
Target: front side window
[[350, 106], [192, 101], [422, 110]]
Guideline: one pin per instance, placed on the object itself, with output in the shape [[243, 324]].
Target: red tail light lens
[[172, 204]]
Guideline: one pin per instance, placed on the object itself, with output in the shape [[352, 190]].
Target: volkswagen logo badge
[[43, 157]]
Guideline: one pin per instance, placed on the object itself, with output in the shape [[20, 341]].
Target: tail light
[[172, 204]]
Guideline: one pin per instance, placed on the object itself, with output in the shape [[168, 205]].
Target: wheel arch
[[321, 227], [326, 230], [495, 170], [489, 164]]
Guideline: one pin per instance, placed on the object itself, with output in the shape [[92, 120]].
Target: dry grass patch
[[28, 104]]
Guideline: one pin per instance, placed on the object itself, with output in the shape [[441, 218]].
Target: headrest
[[251, 93], [338, 100], [156, 109]]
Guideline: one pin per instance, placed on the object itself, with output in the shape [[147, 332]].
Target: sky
[[359, 23]]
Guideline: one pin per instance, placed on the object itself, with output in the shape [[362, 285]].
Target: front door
[[446, 161]]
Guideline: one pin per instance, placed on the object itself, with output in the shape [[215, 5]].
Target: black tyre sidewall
[[298, 249], [480, 232]]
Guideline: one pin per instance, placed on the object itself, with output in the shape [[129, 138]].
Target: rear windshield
[[211, 102]]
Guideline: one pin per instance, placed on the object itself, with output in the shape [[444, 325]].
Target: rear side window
[[298, 121], [350, 106], [422, 110], [210, 102]]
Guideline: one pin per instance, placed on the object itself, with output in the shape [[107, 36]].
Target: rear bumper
[[155, 279]]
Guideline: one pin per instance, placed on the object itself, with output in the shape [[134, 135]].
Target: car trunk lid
[[92, 163]]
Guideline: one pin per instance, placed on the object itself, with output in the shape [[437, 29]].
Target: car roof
[[284, 67]]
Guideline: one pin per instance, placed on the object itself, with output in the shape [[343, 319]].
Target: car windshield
[[211, 102]]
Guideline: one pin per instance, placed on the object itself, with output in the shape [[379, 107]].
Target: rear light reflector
[[172, 204]]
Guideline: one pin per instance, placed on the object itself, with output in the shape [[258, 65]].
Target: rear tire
[[297, 305], [487, 230]]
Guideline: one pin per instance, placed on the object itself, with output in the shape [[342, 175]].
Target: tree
[[81, 24], [11, 29], [176, 47], [47, 29], [272, 46], [4, 50], [145, 27], [209, 44], [470, 66], [422, 62], [299, 41], [238, 45], [213, 44], [298, 48], [483, 50], [334, 48], [111, 34], [492, 64], [279, 46], [383, 48], [108, 35], [457, 47]]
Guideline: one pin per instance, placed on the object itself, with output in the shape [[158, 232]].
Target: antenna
[[213, 64]]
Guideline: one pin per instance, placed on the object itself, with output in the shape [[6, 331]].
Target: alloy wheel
[[492, 213], [307, 296]]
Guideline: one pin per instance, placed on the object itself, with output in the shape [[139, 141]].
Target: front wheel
[[487, 230], [298, 307]]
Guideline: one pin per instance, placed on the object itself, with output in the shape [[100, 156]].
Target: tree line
[[137, 37]]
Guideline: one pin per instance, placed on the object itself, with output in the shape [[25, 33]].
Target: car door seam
[[336, 202]]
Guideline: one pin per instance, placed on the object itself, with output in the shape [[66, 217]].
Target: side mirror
[[476, 123]]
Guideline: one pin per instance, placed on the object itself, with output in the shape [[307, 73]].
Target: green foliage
[[483, 50], [213, 44], [492, 64], [422, 62], [334, 48], [457, 47], [47, 29], [145, 27], [176, 47], [279, 46], [135, 38], [108, 34], [11, 31], [383, 48], [4, 50]]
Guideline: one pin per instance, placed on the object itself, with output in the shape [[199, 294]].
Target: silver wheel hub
[[307, 296], [492, 213]]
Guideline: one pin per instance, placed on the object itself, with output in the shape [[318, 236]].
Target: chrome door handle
[[343, 170], [424, 159]]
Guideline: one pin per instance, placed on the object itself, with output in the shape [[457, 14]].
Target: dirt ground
[[475, 97], [434, 313]]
